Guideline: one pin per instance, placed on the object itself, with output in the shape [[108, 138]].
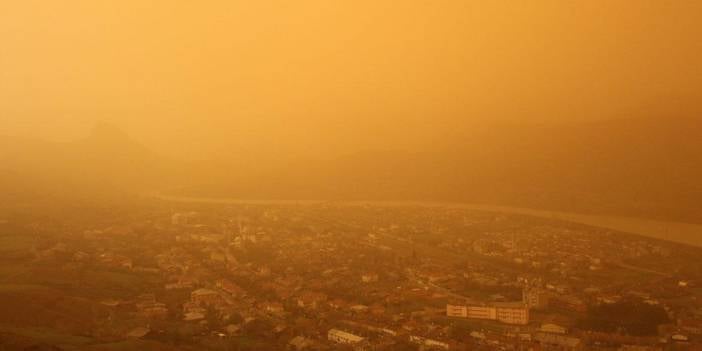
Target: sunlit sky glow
[[316, 77]]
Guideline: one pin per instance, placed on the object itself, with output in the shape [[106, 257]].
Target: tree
[[631, 317], [212, 318]]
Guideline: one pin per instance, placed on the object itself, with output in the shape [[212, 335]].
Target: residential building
[[557, 342], [342, 337], [482, 312], [535, 298], [552, 328], [509, 313], [513, 314], [456, 311]]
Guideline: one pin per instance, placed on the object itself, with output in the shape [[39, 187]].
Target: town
[[335, 276]]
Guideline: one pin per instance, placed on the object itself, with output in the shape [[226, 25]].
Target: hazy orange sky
[[202, 78]]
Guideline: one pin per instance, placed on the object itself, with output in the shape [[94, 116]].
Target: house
[[428, 343], [111, 302], [477, 335], [233, 329], [312, 300], [552, 328], [300, 343], [116, 261], [377, 310], [558, 342], [342, 337], [690, 326], [193, 316], [679, 338], [337, 304], [178, 219], [218, 257], [152, 310], [81, 256], [369, 278], [359, 308], [230, 288], [192, 313], [640, 348], [206, 297], [138, 332], [275, 308]]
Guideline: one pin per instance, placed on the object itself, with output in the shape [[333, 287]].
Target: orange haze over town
[[366, 175]]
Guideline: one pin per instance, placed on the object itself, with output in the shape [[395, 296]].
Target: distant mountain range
[[104, 162], [640, 167]]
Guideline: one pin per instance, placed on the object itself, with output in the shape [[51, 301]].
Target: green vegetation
[[631, 317]]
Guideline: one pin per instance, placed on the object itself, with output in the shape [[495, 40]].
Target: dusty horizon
[[366, 175]]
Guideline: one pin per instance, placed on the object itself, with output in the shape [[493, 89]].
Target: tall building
[[535, 298], [513, 313]]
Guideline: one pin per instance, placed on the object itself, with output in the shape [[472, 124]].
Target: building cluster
[[319, 277]]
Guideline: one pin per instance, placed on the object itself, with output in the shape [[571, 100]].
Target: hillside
[[105, 163], [637, 167]]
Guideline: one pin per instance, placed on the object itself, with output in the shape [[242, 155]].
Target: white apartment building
[[505, 313], [482, 312], [456, 311]]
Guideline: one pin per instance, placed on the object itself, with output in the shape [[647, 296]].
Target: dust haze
[[361, 175]]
